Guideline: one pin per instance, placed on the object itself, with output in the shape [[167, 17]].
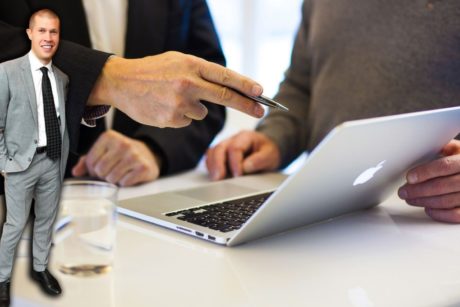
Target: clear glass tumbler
[[85, 229]]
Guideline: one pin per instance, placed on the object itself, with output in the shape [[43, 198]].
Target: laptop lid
[[356, 166]]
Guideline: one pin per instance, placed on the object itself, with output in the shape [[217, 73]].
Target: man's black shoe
[[47, 282], [5, 293]]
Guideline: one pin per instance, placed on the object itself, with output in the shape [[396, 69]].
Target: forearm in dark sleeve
[[13, 42], [83, 66]]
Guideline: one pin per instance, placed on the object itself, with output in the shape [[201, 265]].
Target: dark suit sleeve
[[181, 149], [13, 42], [83, 66]]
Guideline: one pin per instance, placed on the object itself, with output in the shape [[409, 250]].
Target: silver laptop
[[356, 166]]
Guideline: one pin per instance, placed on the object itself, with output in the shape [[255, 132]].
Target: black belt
[[41, 150]]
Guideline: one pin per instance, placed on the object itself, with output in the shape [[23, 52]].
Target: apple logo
[[368, 174]]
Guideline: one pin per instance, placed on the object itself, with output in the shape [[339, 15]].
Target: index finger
[[218, 74], [225, 96], [441, 167], [228, 88]]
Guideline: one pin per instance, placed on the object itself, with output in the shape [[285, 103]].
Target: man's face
[[44, 35]]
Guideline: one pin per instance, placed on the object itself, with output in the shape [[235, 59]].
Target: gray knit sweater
[[364, 58]]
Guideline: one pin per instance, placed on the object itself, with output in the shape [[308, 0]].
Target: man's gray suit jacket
[[18, 115]]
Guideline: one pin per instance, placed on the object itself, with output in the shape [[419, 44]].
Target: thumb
[[80, 168], [451, 148]]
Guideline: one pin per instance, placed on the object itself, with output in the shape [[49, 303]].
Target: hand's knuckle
[[122, 146], [99, 172], [437, 186], [105, 136], [233, 147], [225, 76], [246, 136], [143, 169], [183, 84], [188, 59], [110, 178], [447, 164], [130, 160], [225, 94], [173, 53]]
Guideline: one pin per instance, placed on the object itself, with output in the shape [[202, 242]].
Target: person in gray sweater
[[356, 59]]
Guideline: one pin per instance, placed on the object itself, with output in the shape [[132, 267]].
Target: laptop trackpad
[[217, 192]]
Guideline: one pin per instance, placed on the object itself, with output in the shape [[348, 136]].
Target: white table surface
[[392, 255]]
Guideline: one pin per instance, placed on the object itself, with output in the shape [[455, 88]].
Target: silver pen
[[266, 101]]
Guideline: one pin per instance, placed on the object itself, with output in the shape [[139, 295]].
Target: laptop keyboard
[[226, 216]]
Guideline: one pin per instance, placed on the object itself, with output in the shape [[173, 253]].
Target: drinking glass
[[85, 229]]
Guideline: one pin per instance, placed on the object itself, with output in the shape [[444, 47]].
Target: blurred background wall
[[257, 38]]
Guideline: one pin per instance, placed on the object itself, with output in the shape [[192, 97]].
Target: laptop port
[[183, 229], [199, 234], [212, 238]]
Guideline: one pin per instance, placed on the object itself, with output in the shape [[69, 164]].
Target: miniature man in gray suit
[[34, 146]]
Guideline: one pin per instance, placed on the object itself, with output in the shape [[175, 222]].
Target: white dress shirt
[[107, 22], [37, 76]]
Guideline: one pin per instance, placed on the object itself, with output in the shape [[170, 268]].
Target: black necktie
[[53, 133]]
